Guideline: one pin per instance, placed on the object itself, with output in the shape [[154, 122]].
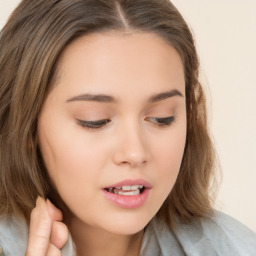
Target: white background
[[225, 33]]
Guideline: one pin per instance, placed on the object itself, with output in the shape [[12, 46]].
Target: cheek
[[74, 163], [168, 154], [69, 160], [71, 167]]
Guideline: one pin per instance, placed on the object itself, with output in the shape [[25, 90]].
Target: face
[[112, 130]]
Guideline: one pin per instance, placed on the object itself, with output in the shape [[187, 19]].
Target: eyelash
[[93, 124], [162, 122]]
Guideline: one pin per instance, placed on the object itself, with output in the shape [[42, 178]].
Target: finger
[[54, 213], [53, 251], [39, 230], [59, 234]]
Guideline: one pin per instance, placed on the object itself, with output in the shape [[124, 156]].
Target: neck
[[93, 241]]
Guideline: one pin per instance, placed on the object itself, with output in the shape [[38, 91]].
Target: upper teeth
[[126, 190], [129, 188]]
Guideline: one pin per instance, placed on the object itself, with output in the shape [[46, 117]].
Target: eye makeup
[[97, 124], [93, 124], [162, 121], [160, 115]]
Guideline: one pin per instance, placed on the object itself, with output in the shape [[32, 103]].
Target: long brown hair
[[30, 45]]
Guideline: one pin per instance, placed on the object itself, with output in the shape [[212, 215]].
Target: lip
[[128, 202]]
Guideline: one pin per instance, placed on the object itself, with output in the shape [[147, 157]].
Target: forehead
[[111, 60]]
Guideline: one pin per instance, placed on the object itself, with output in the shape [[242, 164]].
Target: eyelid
[[97, 124], [161, 121]]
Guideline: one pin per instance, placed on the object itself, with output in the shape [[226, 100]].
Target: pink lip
[[129, 202]]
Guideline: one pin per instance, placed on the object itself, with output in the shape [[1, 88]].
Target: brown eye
[[93, 124]]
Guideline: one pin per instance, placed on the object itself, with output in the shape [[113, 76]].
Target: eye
[[161, 121], [93, 124]]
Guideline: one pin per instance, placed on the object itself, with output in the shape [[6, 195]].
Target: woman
[[104, 141]]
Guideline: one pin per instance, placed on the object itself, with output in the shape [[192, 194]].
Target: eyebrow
[[165, 95], [109, 99], [93, 97]]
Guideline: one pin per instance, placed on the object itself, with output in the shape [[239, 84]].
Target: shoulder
[[218, 234], [13, 235], [226, 232]]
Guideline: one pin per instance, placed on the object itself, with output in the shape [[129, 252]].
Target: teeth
[[130, 193], [129, 188], [126, 190]]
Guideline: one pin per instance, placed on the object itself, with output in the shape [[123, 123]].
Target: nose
[[132, 148]]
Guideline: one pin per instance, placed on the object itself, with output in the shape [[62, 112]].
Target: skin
[[47, 234], [131, 68]]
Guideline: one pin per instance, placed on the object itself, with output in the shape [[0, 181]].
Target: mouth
[[128, 193], [127, 190]]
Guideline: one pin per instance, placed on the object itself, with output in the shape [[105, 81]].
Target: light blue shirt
[[217, 235]]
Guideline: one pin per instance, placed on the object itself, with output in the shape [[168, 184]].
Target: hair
[[32, 41]]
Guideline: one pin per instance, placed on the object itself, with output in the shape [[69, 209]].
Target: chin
[[126, 224], [126, 230]]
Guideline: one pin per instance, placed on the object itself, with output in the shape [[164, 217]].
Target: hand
[[47, 234]]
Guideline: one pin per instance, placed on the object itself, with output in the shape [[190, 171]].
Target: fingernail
[[54, 212], [49, 206], [48, 202], [39, 200]]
